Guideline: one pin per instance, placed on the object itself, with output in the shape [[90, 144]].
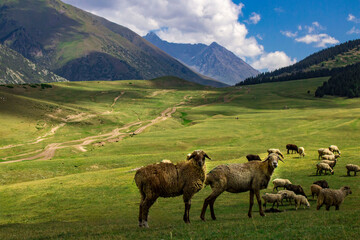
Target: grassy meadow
[[86, 190]]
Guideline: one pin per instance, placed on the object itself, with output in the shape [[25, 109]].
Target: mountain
[[326, 62], [214, 60], [80, 46], [15, 69]]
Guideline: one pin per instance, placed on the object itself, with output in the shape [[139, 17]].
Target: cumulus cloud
[[353, 30], [321, 40], [254, 18], [273, 61], [289, 34]]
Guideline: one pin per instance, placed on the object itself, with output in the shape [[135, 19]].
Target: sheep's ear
[[207, 156]]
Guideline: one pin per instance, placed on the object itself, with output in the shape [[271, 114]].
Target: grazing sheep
[[292, 147], [330, 157], [273, 198], [278, 182], [322, 183], [299, 199], [274, 150], [170, 180], [332, 164], [315, 190], [297, 189], [289, 195], [253, 157], [334, 149], [352, 168], [332, 197], [324, 151], [323, 166], [301, 151], [240, 177]]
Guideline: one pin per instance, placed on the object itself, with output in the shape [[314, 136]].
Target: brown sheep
[[332, 197], [170, 180], [292, 147], [253, 157], [322, 183], [240, 177], [315, 190]]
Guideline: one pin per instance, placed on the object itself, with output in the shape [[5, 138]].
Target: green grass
[[91, 195]]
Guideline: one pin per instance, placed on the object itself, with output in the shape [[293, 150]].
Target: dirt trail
[[115, 135]]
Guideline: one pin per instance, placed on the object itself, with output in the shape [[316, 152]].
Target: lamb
[[278, 182], [324, 151], [331, 163], [289, 195], [334, 149], [323, 166], [170, 180], [241, 177], [322, 183], [292, 147], [274, 150], [273, 198], [295, 188], [330, 157], [352, 167], [253, 157], [301, 151], [315, 190], [299, 199], [332, 197]]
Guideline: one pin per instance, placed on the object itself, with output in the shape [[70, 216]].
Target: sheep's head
[[347, 190], [199, 157], [337, 156], [273, 159]]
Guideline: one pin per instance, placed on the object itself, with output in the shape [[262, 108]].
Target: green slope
[[81, 46], [91, 195], [16, 69]]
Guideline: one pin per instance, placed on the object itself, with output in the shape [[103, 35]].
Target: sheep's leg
[[210, 200], [327, 207], [148, 202], [337, 207], [140, 209], [257, 193], [187, 200], [251, 203]]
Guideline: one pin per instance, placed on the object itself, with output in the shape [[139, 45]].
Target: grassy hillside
[[80, 46], [86, 190]]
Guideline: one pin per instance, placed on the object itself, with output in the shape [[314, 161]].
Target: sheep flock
[[167, 179]]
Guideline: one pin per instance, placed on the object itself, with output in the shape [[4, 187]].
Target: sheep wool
[[352, 168], [332, 197], [278, 182], [323, 166], [300, 199], [315, 190]]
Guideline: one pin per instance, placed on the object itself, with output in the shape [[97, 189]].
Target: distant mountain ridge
[[15, 69], [81, 46], [214, 60]]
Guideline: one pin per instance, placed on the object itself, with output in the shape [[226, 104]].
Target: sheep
[[295, 188], [324, 151], [289, 195], [334, 149], [330, 157], [315, 190], [332, 197], [352, 167], [301, 151], [241, 177], [252, 157], [322, 183], [278, 182], [273, 198], [170, 180], [165, 161], [299, 199], [323, 166], [274, 150], [292, 147], [332, 164]]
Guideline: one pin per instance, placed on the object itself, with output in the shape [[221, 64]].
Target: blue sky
[[266, 34]]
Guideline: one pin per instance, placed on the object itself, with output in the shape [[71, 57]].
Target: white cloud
[[289, 34], [273, 61], [254, 18], [352, 18], [353, 30], [321, 40]]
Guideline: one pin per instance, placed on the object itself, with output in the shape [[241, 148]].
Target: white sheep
[[330, 157], [273, 198], [289, 195], [334, 148], [300, 199], [278, 182], [301, 151], [323, 166], [352, 168], [165, 161], [275, 150], [331, 163], [324, 151]]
